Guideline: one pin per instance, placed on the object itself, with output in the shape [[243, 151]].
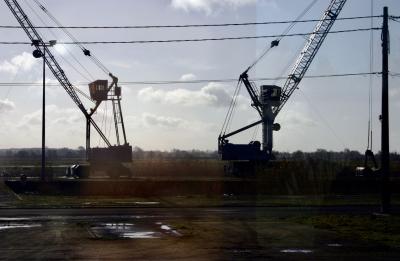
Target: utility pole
[[385, 161], [42, 54]]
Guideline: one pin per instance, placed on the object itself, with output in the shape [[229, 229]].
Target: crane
[[111, 156], [270, 99]]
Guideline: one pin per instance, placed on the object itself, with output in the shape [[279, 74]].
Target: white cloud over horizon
[[208, 6], [213, 94], [188, 77], [6, 106], [22, 62]]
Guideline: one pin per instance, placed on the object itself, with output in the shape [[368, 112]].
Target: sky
[[325, 113]]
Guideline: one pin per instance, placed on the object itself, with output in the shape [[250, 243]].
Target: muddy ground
[[194, 234]]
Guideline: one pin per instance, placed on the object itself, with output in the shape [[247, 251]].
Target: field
[[213, 215]]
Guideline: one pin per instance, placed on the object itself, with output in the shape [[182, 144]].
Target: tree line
[[140, 154]]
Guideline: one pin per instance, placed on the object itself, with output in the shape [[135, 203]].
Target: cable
[[227, 116], [74, 40], [192, 25], [62, 57], [166, 82], [285, 32], [199, 39]]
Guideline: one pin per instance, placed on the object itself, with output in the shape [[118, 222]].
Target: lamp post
[[42, 54]]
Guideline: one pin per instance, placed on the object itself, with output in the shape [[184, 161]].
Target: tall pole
[[43, 170], [385, 161]]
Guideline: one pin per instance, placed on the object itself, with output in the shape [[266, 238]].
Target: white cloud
[[296, 117], [150, 120], [208, 6], [55, 116], [52, 85], [6, 106], [188, 77], [162, 121], [23, 62], [213, 94]]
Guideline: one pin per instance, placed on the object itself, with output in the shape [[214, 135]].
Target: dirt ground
[[218, 235]]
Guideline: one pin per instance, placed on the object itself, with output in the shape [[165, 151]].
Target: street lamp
[[42, 54]]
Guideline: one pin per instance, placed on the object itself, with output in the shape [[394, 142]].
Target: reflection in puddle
[[141, 235], [17, 225], [334, 245], [301, 251], [168, 229], [130, 230], [146, 203]]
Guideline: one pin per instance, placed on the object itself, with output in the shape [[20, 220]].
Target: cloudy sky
[[329, 113]]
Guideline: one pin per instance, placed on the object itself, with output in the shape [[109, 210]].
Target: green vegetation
[[372, 228], [196, 201]]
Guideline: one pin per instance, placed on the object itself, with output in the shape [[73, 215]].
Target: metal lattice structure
[[270, 99], [309, 51], [52, 63]]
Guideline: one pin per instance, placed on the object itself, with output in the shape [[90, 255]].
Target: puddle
[[17, 225], [13, 219], [334, 245], [138, 230], [147, 203], [296, 251], [168, 229], [141, 235]]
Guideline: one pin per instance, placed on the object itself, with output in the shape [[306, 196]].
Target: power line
[[202, 80], [201, 39], [191, 25]]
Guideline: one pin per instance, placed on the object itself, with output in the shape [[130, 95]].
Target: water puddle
[[17, 225], [168, 230], [147, 203], [297, 251], [334, 245], [121, 230]]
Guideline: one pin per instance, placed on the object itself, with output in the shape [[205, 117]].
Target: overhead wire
[[267, 49], [74, 40], [168, 82], [199, 39], [194, 25], [70, 53]]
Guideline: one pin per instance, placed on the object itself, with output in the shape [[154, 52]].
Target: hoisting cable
[[85, 51], [274, 43], [228, 126], [62, 57], [231, 107]]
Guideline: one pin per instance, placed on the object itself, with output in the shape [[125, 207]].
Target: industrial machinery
[[270, 99], [112, 157]]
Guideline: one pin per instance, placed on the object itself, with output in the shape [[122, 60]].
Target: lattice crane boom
[[309, 51], [51, 62], [271, 98]]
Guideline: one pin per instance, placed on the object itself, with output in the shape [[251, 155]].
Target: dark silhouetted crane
[[112, 156], [270, 100]]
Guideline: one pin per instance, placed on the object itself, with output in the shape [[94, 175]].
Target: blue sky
[[325, 113]]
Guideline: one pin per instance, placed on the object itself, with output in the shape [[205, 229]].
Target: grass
[[379, 229], [196, 201]]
